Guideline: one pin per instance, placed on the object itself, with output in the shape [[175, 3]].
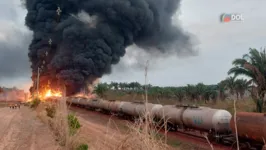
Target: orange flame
[[51, 93]]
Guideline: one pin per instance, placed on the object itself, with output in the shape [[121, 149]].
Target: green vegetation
[[197, 93], [73, 124], [50, 111], [252, 66], [83, 147], [35, 103], [101, 89]]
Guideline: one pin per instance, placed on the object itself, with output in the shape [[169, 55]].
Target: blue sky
[[218, 44]]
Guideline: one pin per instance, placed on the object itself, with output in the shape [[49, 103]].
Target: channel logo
[[231, 18]]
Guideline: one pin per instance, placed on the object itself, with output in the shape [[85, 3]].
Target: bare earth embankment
[[20, 129]]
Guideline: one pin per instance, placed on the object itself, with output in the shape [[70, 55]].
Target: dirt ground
[[20, 129], [98, 131]]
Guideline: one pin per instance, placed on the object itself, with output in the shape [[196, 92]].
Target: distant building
[[12, 94]]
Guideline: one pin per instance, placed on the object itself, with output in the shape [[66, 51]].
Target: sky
[[217, 45]]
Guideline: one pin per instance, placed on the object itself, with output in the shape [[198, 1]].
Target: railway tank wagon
[[140, 109], [213, 121], [171, 115], [251, 128], [94, 104], [114, 106], [155, 111], [78, 101], [207, 119], [127, 109], [73, 101], [104, 105], [109, 106]]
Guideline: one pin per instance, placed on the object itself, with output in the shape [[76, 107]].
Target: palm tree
[[200, 90], [114, 85], [241, 86], [253, 65], [191, 92], [180, 93], [221, 87], [210, 93], [230, 84]]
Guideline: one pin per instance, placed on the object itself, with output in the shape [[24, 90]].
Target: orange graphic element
[[227, 19]]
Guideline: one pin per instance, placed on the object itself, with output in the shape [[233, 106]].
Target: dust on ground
[[98, 131], [20, 129]]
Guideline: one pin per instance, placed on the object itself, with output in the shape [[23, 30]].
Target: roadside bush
[[35, 103], [83, 147], [27, 104], [73, 124], [50, 111]]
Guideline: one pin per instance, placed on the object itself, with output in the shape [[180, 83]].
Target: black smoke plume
[[90, 35]]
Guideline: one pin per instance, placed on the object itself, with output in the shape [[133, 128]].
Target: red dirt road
[[20, 129]]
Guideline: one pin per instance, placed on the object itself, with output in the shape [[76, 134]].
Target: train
[[217, 124]]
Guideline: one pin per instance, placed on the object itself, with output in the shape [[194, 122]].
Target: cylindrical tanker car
[[207, 119], [251, 128], [218, 123], [214, 121]]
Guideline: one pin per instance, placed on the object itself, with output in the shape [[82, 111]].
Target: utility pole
[[146, 86], [147, 116], [38, 82]]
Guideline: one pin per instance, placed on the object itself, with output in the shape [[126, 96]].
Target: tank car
[[104, 105], [172, 115], [83, 101], [140, 109], [128, 108], [78, 101], [73, 100], [114, 106], [251, 128], [155, 111], [94, 104], [207, 119]]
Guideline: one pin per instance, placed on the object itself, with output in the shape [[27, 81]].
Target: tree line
[[197, 92], [252, 65]]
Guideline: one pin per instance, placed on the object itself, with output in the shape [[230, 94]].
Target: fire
[[90, 95], [51, 93]]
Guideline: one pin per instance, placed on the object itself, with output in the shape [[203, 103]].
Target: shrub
[[83, 147], [35, 103], [73, 124], [50, 111]]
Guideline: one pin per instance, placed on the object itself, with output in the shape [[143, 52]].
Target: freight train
[[217, 124]]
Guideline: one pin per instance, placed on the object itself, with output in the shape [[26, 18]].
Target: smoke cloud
[[89, 36]]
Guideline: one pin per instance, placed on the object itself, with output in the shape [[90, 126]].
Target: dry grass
[[240, 105], [59, 125], [142, 137]]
